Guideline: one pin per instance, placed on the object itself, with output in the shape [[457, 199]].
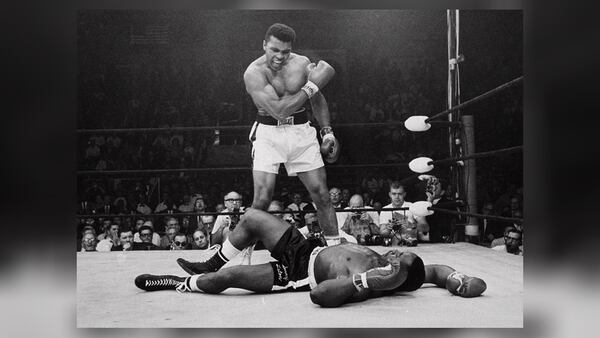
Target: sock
[[192, 283], [228, 251]]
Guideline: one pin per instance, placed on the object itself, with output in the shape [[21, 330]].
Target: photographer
[[224, 224], [361, 225], [401, 227]]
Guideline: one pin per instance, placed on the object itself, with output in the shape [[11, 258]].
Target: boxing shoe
[[209, 265], [462, 285], [161, 282], [330, 148]]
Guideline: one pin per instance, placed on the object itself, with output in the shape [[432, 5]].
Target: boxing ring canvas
[[107, 296]]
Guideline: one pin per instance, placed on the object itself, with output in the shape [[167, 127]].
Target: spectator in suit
[[173, 228], [104, 228], [199, 205], [88, 242], [399, 225], [187, 204], [200, 240], [112, 233], [142, 206], [180, 242], [146, 233], [442, 226], [107, 240], [225, 223], [513, 243], [345, 197], [139, 223], [107, 207], [513, 209], [166, 205], [126, 240], [297, 205], [360, 224], [206, 223], [335, 195]]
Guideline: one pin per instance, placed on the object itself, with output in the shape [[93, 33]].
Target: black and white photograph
[[299, 168]]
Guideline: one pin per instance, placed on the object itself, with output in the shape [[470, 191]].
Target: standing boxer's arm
[[265, 96], [321, 110]]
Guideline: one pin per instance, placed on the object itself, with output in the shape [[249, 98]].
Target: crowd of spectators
[[180, 227]]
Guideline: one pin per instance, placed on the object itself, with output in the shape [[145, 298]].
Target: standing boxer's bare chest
[[287, 81]]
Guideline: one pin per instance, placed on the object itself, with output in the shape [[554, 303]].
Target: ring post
[[470, 179]]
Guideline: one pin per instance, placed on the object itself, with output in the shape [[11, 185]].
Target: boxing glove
[[388, 277], [462, 285], [320, 74]]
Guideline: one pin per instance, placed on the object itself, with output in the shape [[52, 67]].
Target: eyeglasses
[[178, 243], [197, 238], [233, 200]]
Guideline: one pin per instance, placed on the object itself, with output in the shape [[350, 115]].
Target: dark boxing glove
[[462, 285], [388, 277]]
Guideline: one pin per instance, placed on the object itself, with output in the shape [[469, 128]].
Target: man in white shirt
[[513, 243], [335, 195], [138, 225], [221, 229], [391, 222]]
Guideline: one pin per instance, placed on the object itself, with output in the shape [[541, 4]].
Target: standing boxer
[[280, 83]]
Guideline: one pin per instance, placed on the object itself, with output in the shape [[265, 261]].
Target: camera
[[369, 240], [396, 225], [234, 219], [357, 214], [411, 241], [315, 228]]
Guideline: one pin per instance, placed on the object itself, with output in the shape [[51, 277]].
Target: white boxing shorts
[[294, 145]]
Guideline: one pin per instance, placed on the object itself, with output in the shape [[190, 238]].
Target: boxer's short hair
[[416, 275], [396, 185], [282, 32]]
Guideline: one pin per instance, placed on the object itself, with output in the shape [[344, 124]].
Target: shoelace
[[460, 278], [161, 282], [211, 250], [183, 287]]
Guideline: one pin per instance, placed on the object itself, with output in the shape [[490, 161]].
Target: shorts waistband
[[299, 117], [311, 266]]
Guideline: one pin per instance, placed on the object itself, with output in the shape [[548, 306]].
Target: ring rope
[[364, 165], [212, 169], [476, 99], [478, 155], [241, 127], [215, 213], [492, 217]]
